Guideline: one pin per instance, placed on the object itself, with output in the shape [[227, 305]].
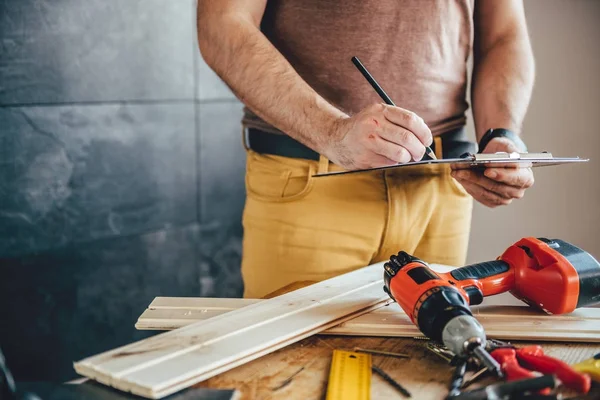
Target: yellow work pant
[[301, 228]]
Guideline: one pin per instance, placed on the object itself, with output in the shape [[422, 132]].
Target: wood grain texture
[[169, 362], [425, 375], [508, 322]]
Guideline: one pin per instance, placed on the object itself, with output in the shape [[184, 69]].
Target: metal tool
[[381, 353], [440, 351], [524, 389], [474, 378], [439, 310], [384, 96], [550, 274], [533, 356], [391, 381], [458, 378]]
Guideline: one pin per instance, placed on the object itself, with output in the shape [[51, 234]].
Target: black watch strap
[[494, 133]]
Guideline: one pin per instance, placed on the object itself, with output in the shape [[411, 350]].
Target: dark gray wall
[[121, 175]]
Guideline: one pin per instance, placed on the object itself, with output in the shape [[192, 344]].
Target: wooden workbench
[[425, 375]]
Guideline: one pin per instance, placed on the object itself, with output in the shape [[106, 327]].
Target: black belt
[[454, 144]]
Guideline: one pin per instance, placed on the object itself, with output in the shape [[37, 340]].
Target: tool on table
[[458, 377], [550, 274], [448, 356], [349, 376], [384, 96], [381, 353], [391, 381], [441, 351], [533, 356], [590, 366], [474, 378], [524, 389], [287, 380]]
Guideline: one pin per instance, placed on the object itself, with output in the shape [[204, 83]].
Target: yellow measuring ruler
[[349, 376]]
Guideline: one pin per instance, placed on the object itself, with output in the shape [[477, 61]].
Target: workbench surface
[[425, 375]]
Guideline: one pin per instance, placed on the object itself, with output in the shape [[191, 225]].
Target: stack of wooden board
[[507, 322], [171, 361]]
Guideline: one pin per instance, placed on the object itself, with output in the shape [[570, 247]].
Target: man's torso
[[416, 49]]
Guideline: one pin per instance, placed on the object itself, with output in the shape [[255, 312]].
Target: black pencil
[[384, 96]]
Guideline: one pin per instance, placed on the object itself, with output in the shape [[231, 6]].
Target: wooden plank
[[501, 322], [207, 303], [176, 312], [168, 313], [171, 361]]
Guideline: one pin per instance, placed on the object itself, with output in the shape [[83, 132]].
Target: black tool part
[[488, 361], [438, 309], [396, 263], [513, 390], [588, 269], [391, 381], [458, 378], [480, 270], [422, 274], [475, 295]]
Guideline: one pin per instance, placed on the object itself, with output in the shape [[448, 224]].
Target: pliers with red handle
[[534, 358]]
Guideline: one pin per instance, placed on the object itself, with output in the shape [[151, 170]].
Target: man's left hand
[[496, 186]]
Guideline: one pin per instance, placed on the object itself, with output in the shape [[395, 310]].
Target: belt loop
[[439, 152], [323, 165]]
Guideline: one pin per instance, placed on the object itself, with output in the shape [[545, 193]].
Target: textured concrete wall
[[121, 175]]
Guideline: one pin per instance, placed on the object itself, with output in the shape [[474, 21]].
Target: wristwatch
[[494, 133]]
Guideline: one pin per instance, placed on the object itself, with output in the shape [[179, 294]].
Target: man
[[308, 110]]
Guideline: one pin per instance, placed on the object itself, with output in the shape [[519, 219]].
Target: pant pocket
[[277, 179], [455, 185]]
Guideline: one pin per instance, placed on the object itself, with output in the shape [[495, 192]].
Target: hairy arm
[[503, 75], [234, 47], [504, 70], [232, 44]]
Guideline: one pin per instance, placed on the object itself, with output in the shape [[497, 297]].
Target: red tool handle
[[534, 356], [507, 357]]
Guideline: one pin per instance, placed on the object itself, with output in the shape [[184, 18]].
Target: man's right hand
[[380, 135]]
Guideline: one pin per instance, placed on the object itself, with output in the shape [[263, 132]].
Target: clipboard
[[474, 161]]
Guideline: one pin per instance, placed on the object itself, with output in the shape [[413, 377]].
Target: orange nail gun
[[552, 275]]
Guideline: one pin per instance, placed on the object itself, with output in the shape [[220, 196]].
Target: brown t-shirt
[[416, 49]]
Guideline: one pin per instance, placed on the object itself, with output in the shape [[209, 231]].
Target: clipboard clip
[[504, 156]]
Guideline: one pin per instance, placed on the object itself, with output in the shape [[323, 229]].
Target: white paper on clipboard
[[497, 160]]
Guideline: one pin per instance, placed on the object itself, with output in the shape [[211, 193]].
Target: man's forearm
[[503, 79], [263, 79]]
